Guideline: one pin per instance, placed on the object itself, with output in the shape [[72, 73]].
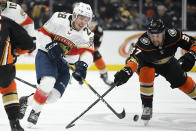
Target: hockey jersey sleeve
[[133, 61], [20, 39], [16, 13], [187, 42]]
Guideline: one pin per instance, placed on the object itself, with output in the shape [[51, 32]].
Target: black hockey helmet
[[155, 26]]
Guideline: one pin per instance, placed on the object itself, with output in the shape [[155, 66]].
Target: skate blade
[[30, 125], [146, 122]]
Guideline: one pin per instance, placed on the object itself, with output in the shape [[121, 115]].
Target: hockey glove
[[187, 61], [122, 76], [54, 50], [80, 70]]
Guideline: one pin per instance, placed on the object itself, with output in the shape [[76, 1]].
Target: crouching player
[[154, 53]]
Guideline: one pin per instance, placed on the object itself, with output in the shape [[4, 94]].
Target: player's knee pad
[[147, 75], [100, 64], [53, 96], [189, 87], [46, 84], [96, 56], [8, 89]]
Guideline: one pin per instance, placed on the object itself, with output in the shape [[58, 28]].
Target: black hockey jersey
[[145, 52], [98, 35], [13, 37]]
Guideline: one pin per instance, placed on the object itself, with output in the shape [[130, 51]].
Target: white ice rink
[[172, 111]]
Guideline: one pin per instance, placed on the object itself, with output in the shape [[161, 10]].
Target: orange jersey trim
[[193, 48], [19, 51], [132, 65], [9, 57]]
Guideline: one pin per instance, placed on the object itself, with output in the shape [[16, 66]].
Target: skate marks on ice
[[163, 121]]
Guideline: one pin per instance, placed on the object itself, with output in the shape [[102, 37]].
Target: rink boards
[[114, 50]]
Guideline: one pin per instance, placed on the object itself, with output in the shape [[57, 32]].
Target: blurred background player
[[14, 40], [64, 36], [97, 59], [154, 53], [16, 13]]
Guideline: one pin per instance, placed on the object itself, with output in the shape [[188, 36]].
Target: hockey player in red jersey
[[14, 40], [97, 59], [154, 53]]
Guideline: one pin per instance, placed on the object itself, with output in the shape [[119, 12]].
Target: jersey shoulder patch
[[144, 40], [172, 32]]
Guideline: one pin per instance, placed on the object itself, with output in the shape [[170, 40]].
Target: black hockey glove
[[122, 76], [187, 61], [80, 70], [54, 51]]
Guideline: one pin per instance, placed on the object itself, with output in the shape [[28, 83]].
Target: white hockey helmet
[[84, 9]]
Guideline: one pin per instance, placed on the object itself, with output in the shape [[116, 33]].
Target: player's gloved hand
[[80, 70], [15, 55], [187, 61], [34, 45], [54, 50], [122, 76]]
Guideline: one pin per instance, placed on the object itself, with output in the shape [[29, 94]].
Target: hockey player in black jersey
[[97, 59], [14, 41], [154, 53]]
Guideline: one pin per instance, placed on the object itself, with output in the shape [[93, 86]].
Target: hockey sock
[[146, 95], [10, 101], [40, 96], [146, 78], [189, 88]]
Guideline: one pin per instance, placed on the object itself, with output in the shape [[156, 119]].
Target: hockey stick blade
[[122, 114], [69, 126]]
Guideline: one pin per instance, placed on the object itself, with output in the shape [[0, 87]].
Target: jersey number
[[13, 5], [88, 31], [62, 15], [186, 38]]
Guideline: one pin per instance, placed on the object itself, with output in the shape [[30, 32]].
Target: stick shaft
[[25, 82]]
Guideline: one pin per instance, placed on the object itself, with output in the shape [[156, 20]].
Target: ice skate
[[104, 77], [146, 115], [15, 125], [23, 106], [33, 118]]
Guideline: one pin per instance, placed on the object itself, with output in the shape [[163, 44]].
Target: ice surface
[[172, 110]]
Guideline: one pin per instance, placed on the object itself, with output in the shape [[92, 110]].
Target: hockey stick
[[71, 124], [119, 115], [25, 82]]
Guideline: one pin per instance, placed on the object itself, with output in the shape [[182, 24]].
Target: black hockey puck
[[135, 118]]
